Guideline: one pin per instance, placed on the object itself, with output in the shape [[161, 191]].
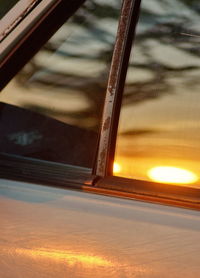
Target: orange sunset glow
[[117, 168], [69, 257], [150, 169], [169, 174]]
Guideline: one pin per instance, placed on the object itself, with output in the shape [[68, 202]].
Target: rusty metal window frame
[[125, 35]]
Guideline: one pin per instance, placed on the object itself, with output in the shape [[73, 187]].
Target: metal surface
[[125, 34], [175, 195], [54, 233]]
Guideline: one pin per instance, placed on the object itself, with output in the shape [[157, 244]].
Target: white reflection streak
[[190, 35]]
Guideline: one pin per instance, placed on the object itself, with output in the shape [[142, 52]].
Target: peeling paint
[[111, 90], [106, 124], [102, 159]]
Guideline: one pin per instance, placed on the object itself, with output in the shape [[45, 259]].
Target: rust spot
[[111, 90], [106, 124], [102, 160]]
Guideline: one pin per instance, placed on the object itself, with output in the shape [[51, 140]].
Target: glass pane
[[159, 130], [51, 110]]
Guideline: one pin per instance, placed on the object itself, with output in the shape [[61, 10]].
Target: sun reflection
[[116, 168], [169, 174], [71, 258]]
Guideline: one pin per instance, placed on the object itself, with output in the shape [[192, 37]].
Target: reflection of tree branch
[[174, 32], [138, 91], [137, 132], [81, 117], [162, 67], [170, 32], [103, 56]]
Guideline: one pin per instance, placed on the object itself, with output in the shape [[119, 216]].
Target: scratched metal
[[54, 233], [113, 85]]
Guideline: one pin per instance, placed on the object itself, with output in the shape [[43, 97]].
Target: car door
[[79, 136]]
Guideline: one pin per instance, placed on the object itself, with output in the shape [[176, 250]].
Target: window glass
[[159, 129], [51, 110]]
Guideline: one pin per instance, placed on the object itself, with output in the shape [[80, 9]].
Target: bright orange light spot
[[71, 258], [116, 168], [167, 174]]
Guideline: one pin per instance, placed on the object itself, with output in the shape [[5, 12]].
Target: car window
[[159, 129], [52, 109]]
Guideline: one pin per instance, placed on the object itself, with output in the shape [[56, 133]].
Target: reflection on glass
[[171, 175], [71, 258], [53, 106], [116, 168], [160, 119]]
